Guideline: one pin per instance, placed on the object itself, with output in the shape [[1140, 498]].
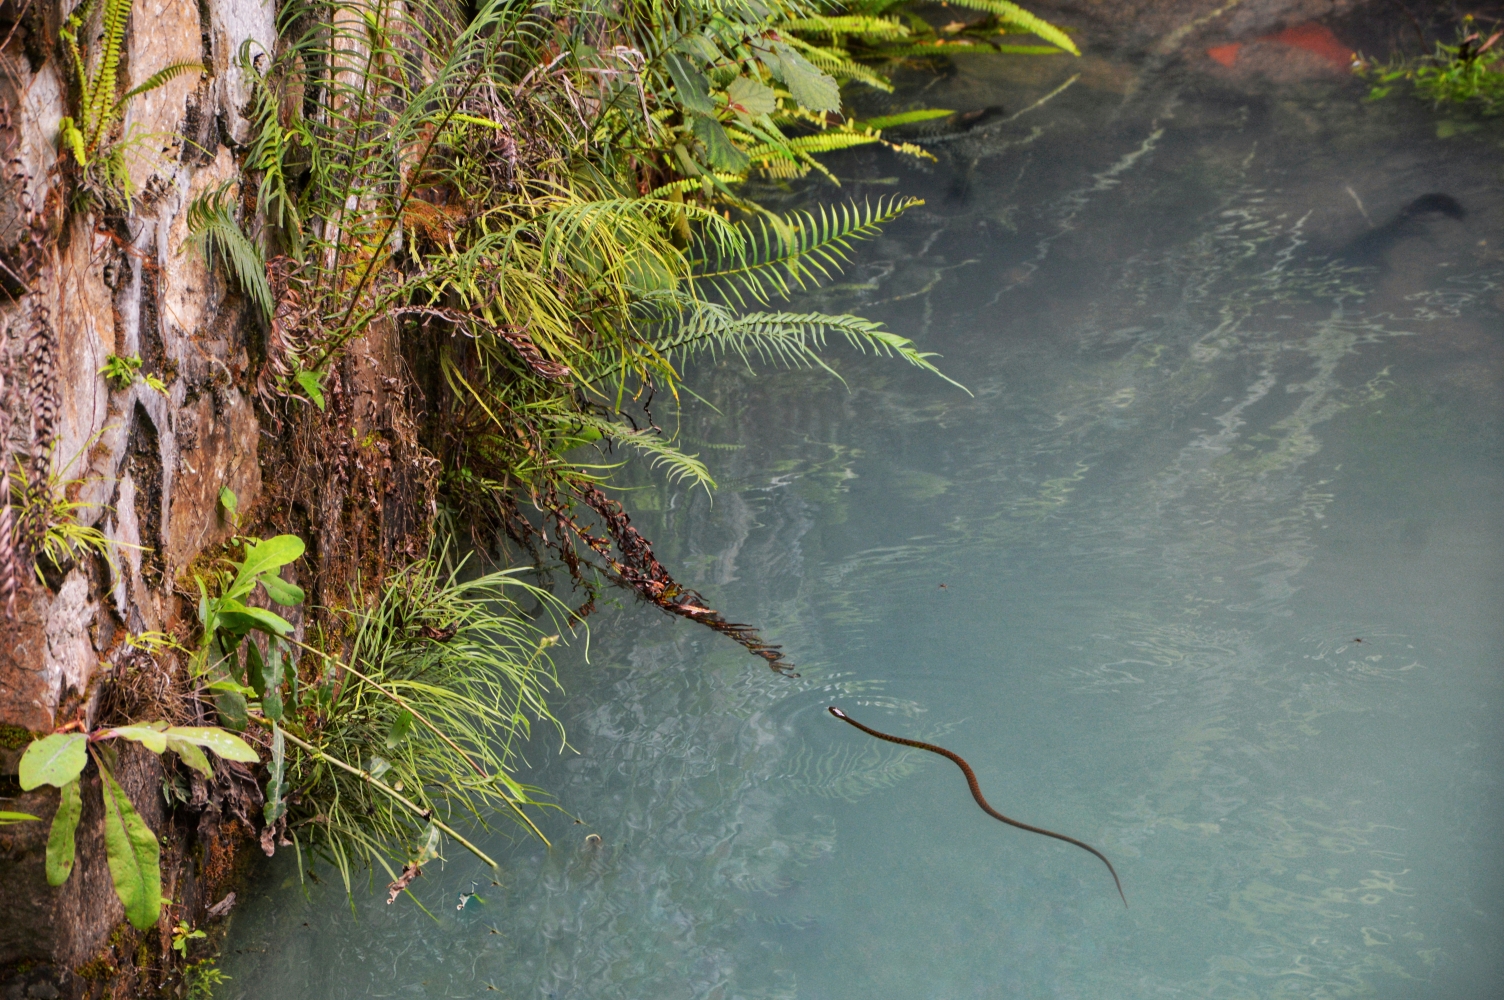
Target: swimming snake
[[976, 792]]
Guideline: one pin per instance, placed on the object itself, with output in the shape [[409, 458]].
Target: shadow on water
[[1236, 405]]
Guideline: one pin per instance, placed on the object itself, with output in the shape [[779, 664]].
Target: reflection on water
[[1127, 578]]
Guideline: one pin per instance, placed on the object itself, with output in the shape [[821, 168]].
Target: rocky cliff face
[[83, 281]]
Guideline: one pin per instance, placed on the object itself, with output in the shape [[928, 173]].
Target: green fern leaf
[[1010, 13], [769, 263], [905, 118], [660, 453], [212, 225], [793, 340], [157, 79]]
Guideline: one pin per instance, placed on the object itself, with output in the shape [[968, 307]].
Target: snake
[[976, 792]]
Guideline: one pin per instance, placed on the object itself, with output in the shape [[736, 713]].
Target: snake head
[[837, 712]]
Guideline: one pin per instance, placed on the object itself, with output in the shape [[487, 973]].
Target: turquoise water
[[1202, 455]]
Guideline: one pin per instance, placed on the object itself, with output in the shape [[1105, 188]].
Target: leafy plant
[[131, 847], [1468, 74], [47, 522], [414, 725], [201, 979], [212, 226], [226, 620], [87, 132], [182, 933], [122, 373]]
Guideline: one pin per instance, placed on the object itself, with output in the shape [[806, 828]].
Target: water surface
[[1203, 455]]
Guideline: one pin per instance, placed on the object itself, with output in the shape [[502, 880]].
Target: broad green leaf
[[812, 88], [284, 593], [227, 745], [228, 500], [693, 88], [151, 739], [191, 755], [268, 555], [276, 787], [227, 685], [134, 856], [53, 760], [753, 97], [271, 683], [271, 704], [255, 618], [310, 383], [290, 668], [60, 841], [718, 148], [430, 848], [700, 46]]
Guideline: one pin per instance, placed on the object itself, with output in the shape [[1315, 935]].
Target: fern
[[806, 146], [794, 340], [162, 76], [98, 107], [660, 453], [212, 225], [769, 263], [866, 26], [1012, 14]]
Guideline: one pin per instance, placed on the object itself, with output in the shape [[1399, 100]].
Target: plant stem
[[371, 779]]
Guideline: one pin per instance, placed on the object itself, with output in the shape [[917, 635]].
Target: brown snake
[[976, 792]]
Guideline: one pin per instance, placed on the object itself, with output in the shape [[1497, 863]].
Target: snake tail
[[976, 793]]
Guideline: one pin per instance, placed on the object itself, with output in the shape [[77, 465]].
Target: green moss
[[95, 969], [14, 737]]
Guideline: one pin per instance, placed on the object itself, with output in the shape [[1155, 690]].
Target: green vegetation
[[90, 133], [123, 372], [132, 849], [551, 209], [45, 524], [1468, 75]]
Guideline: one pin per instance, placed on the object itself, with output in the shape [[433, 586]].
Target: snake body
[[976, 792]]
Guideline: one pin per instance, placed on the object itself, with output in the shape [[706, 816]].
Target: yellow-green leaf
[[191, 755], [227, 745], [53, 760], [134, 856], [60, 841], [148, 736]]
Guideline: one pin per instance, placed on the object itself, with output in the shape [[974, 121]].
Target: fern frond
[[784, 170], [863, 25], [212, 225], [769, 263], [1012, 14], [653, 445], [688, 184], [811, 145], [939, 47], [98, 100], [157, 79], [794, 340]]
